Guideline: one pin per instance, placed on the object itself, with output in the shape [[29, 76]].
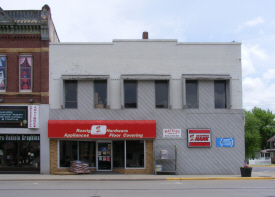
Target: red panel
[[114, 129], [200, 144], [199, 131]]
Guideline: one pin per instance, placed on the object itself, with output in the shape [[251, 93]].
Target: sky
[[251, 22]]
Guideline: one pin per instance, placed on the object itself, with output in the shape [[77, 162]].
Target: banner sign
[[225, 142], [172, 133], [199, 137], [111, 129], [19, 137], [33, 119], [14, 116]]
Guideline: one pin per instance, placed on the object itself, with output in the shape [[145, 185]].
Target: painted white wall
[[166, 57]]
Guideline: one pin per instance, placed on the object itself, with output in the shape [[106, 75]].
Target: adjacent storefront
[[123, 146], [19, 149]]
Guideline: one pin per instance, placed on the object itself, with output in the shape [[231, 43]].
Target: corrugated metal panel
[[222, 122]]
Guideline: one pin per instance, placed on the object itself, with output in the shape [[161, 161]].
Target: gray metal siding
[[222, 122]]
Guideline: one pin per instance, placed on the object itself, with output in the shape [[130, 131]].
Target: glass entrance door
[[104, 156]]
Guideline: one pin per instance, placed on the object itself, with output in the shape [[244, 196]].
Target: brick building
[[24, 89]]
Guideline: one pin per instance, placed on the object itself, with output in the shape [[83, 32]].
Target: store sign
[[199, 137], [167, 133], [113, 129], [33, 119], [14, 116], [19, 137], [225, 142]]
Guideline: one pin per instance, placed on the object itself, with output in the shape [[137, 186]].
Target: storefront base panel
[[147, 170]]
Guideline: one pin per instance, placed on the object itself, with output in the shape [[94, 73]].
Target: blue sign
[[104, 149], [225, 142]]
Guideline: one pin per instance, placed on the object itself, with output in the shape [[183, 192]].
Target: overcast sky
[[251, 22]]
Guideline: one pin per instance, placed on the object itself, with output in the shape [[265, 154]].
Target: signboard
[[172, 133], [225, 142], [14, 116], [199, 137], [111, 129], [33, 119], [9, 137]]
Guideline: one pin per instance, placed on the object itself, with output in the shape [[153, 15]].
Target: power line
[[254, 37]]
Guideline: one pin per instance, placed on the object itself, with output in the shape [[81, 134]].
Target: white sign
[[172, 133], [98, 129], [33, 116]]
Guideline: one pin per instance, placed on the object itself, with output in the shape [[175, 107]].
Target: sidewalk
[[130, 177]]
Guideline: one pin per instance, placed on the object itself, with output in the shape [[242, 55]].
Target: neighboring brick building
[[24, 89]]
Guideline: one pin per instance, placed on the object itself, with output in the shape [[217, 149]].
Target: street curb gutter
[[222, 178]]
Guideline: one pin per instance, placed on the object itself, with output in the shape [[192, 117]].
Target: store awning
[[110, 129]]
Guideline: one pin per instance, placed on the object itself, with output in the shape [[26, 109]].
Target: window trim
[[6, 81], [205, 77], [25, 55]]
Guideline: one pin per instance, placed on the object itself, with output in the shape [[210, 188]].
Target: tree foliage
[[256, 130]]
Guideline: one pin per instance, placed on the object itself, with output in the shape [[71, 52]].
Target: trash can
[[246, 172]]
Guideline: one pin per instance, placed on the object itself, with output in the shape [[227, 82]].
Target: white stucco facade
[[158, 57]]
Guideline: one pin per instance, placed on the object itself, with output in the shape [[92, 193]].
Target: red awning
[[113, 129]]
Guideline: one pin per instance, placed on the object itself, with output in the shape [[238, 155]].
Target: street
[[225, 188]]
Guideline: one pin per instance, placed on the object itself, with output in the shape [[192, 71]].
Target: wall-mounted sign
[[199, 137], [225, 142], [113, 129], [19, 137], [14, 116], [33, 119], [172, 133]]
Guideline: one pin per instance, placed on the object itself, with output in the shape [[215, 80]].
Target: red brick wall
[[14, 45]]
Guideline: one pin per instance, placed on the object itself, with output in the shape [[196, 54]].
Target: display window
[[76, 150], [3, 82], [19, 156]]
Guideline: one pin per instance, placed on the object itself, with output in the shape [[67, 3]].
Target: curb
[[221, 178]]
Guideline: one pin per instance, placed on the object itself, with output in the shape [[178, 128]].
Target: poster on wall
[[225, 142], [33, 119], [170, 133], [199, 137], [14, 116]]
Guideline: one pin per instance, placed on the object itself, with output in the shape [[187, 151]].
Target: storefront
[[124, 146], [19, 153], [19, 139]]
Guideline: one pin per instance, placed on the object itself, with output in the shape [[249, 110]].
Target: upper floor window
[[70, 94], [192, 94], [100, 93], [3, 80], [25, 72], [220, 93], [161, 89], [130, 93]]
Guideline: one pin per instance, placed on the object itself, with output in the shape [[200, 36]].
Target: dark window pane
[[67, 152], [71, 94], [220, 94], [118, 151], [130, 94], [135, 153], [87, 153], [161, 88], [100, 94], [191, 94]]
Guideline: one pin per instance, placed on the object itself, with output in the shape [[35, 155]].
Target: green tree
[[252, 134], [265, 118]]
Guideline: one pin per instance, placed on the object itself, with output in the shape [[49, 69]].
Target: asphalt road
[[225, 188]]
